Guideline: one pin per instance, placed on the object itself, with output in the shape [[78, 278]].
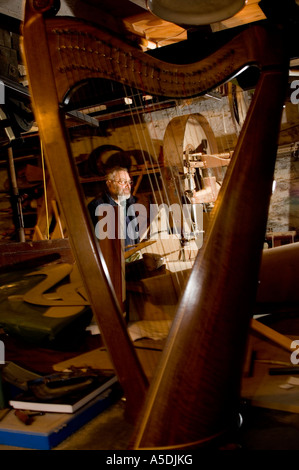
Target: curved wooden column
[[87, 253], [195, 395]]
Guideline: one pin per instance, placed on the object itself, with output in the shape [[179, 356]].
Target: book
[[50, 429], [69, 403]]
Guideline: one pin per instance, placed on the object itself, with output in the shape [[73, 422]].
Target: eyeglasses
[[123, 182]]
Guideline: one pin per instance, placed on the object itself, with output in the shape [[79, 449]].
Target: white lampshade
[[195, 12]]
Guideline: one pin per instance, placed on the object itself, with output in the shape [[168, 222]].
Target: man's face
[[120, 185]]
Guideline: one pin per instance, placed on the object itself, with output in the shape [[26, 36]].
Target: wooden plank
[[271, 334], [37, 252], [270, 391], [99, 359]]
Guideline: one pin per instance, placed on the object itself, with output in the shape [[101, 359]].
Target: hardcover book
[[50, 429], [68, 403]]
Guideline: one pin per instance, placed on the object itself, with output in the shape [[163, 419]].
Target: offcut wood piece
[[272, 335], [271, 391], [26, 254], [148, 352], [47, 213]]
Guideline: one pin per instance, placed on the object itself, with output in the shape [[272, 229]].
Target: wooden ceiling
[[157, 32], [132, 19], [134, 22]]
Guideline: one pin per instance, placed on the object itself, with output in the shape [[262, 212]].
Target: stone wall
[[284, 204], [283, 212]]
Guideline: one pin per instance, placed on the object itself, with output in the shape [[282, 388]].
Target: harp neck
[[80, 50], [61, 52]]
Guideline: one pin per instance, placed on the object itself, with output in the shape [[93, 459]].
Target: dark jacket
[[105, 199]]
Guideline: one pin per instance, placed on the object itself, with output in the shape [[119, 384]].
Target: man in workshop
[[117, 194]]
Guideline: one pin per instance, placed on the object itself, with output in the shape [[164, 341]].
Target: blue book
[[50, 429]]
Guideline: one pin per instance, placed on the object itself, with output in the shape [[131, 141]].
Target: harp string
[[146, 362], [151, 164], [227, 246], [136, 120], [75, 43], [137, 125], [163, 192]]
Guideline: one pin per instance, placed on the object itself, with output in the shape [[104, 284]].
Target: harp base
[[225, 439]]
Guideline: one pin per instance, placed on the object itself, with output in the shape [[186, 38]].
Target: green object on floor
[[33, 323]]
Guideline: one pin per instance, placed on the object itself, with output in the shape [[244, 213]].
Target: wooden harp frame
[[212, 322]]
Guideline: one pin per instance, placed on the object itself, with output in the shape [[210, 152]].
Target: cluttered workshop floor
[[269, 405], [99, 425], [108, 430], [270, 387]]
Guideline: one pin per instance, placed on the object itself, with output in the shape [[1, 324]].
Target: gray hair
[[116, 169]]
